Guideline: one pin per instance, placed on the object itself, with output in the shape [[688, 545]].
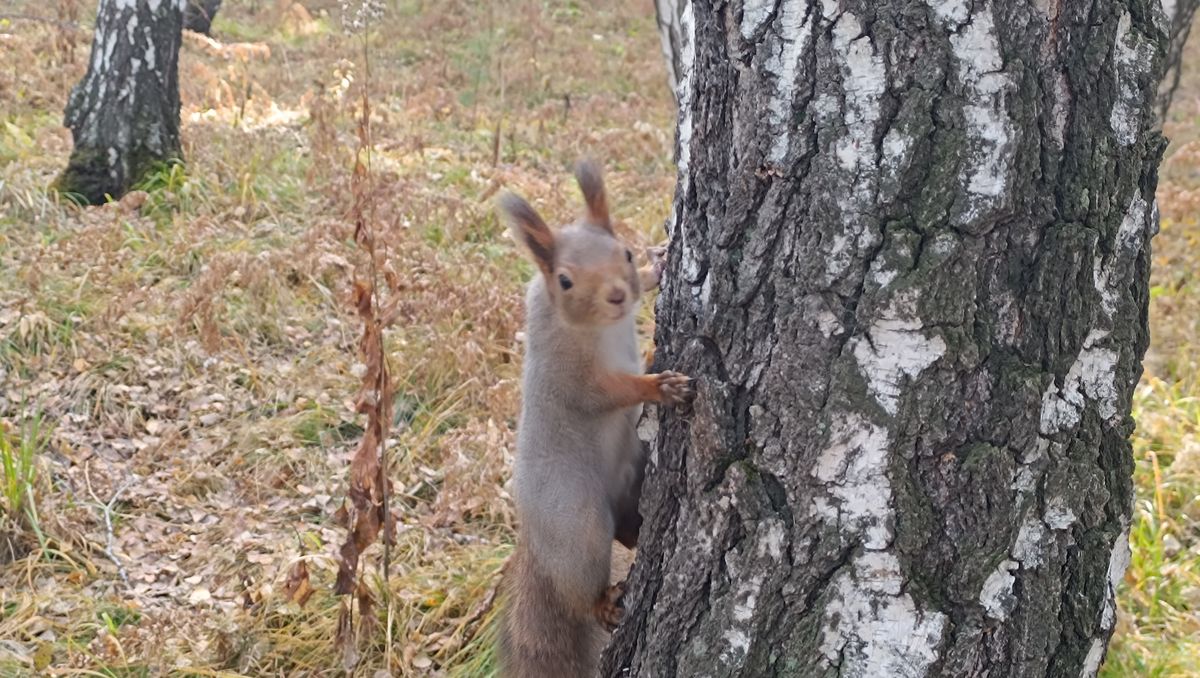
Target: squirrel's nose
[[616, 296]]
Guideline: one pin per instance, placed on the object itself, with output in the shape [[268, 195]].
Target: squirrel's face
[[594, 280], [589, 273]]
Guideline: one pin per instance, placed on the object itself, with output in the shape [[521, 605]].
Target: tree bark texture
[[1180, 14], [124, 113], [909, 270], [199, 15]]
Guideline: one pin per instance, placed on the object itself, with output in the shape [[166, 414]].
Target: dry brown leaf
[[298, 588]]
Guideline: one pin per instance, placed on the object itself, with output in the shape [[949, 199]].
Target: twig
[[69, 25], [108, 509]]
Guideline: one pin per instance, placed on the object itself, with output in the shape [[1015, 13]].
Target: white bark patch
[[150, 54], [951, 11], [988, 124], [687, 59], [1058, 515], [864, 82], [738, 642], [840, 256], [874, 629], [1168, 9], [828, 323], [1030, 543], [754, 14], [997, 594], [1092, 376], [895, 347], [854, 468], [1091, 663], [773, 540], [882, 276], [783, 62], [1118, 562], [896, 146], [1110, 276], [1132, 57], [990, 131]]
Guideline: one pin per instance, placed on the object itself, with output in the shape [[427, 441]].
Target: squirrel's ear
[[529, 229], [591, 183]]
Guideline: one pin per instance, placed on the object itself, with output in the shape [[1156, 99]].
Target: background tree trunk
[[909, 269], [199, 15], [669, 14], [1180, 14], [124, 114]]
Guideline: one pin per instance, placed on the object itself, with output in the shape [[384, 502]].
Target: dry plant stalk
[[369, 511]]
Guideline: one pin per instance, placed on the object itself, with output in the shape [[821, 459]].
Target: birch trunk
[[124, 113], [909, 269], [1179, 14], [669, 16]]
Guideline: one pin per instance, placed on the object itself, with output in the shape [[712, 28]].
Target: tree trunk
[[1179, 14], [199, 15], [124, 114], [909, 271], [669, 15]]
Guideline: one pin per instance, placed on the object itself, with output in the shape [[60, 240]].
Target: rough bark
[[909, 271], [199, 15], [1179, 14], [124, 113], [669, 15]]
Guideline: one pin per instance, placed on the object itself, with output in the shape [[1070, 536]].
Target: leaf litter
[[200, 349]]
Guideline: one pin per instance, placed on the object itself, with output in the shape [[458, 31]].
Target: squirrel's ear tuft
[[529, 229], [591, 183]]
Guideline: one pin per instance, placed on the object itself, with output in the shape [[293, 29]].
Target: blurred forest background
[[177, 369]]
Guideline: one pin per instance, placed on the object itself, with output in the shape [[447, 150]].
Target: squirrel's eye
[[629, 256], [565, 281]]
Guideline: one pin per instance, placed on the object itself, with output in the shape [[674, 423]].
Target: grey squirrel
[[579, 465]]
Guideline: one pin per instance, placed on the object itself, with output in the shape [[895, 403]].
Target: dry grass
[[191, 360], [196, 354]]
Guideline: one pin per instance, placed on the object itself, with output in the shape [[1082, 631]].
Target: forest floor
[[178, 376]]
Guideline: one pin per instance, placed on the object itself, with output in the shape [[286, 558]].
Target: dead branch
[[107, 508]]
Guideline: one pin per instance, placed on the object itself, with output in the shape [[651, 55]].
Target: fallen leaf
[[298, 587], [199, 595]]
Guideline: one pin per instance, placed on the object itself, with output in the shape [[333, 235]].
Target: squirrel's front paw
[[674, 388], [651, 275], [610, 608]]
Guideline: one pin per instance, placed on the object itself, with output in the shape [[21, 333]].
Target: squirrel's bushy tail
[[540, 637]]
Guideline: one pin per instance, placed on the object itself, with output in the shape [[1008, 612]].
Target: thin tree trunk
[[909, 270], [669, 15], [199, 15], [124, 114], [1179, 14]]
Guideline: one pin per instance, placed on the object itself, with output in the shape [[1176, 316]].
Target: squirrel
[[579, 464]]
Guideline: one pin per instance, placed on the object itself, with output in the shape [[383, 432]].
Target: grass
[[197, 354], [20, 453]]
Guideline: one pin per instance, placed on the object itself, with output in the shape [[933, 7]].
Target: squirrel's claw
[[610, 607], [675, 388]]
